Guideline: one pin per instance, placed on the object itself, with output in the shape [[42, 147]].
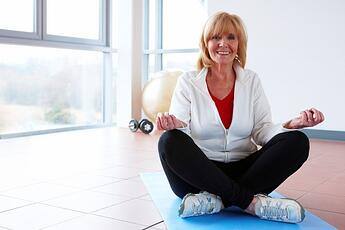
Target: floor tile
[[111, 159], [153, 165], [11, 180], [338, 178], [39, 192], [85, 181], [301, 184], [160, 226], [135, 211], [323, 202], [294, 194], [146, 197], [336, 219], [7, 203], [86, 201], [307, 172], [34, 217], [331, 188], [121, 172], [335, 167], [92, 222], [125, 188]]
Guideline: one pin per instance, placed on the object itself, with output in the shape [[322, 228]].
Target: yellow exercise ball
[[158, 91]]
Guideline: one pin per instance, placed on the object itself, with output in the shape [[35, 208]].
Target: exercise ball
[[158, 91]]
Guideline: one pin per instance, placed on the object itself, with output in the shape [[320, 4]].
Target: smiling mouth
[[223, 52]]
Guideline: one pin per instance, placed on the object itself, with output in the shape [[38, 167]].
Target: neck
[[222, 72]]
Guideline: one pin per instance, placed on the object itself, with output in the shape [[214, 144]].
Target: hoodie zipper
[[225, 139]]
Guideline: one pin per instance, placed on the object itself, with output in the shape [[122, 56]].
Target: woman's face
[[223, 47]]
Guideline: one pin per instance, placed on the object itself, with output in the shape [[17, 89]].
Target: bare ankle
[[251, 207]]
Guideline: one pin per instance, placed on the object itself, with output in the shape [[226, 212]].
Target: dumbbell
[[144, 125]]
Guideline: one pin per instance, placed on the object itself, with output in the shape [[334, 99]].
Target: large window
[[58, 65], [44, 88], [85, 25], [9, 20], [172, 32]]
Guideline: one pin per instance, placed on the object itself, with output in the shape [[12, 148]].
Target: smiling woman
[[218, 116]]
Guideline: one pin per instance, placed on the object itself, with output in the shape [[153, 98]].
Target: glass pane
[[77, 18], [182, 61], [115, 33], [45, 88], [151, 65], [182, 23], [114, 85], [17, 15], [152, 24]]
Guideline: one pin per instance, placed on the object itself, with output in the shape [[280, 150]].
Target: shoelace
[[202, 206], [275, 211]]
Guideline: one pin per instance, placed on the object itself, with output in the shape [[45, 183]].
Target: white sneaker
[[200, 204], [279, 209]]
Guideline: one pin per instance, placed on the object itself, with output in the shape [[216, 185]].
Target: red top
[[225, 107]]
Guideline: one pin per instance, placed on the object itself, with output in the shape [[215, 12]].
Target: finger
[[158, 126], [175, 121], [303, 119], [316, 115], [309, 116], [159, 123], [170, 122], [323, 117], [164, 122]]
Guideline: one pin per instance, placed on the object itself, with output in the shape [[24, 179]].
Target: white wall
[[298, 49]]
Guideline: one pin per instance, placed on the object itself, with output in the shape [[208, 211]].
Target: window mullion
[[107, 24], [159, 34], [43, 19], [146, 21]]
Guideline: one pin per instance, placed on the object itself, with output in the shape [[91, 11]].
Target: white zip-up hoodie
[[251, 122]]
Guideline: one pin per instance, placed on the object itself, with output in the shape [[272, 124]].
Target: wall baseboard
[[325, 134]]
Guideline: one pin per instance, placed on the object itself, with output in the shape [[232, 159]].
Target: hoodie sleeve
[[180, 105], [264, 129]]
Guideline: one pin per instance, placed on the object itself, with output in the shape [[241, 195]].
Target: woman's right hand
[[166, 121]]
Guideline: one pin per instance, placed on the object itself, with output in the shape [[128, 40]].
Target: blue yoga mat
[[231, 218]]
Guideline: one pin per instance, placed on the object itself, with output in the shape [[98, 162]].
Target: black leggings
[[189, 171]]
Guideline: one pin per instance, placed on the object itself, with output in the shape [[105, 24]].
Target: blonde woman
[[218, 116]]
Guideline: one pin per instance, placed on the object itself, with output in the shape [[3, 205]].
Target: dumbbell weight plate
[[133, 125], [146, 126]]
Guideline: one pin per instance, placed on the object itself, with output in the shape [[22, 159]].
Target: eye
[[215, 37], [231, 37]]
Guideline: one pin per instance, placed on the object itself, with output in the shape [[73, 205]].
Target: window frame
[[36, 34], [104, 45], [158, 50], [40, 28], [102, 28]]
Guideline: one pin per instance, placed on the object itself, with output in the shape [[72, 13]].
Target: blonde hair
[[217, 24]]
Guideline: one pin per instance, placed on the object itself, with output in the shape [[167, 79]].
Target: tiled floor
[[89, 179]]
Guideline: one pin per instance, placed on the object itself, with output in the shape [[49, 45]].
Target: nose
[[222, 43]]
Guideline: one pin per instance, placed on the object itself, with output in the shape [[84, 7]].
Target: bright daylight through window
[[54, 61], [172, 41]]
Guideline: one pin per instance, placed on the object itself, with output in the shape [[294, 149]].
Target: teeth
[[223, 52]]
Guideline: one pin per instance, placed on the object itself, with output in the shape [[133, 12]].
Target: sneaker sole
[[181, 208], [302, 210]]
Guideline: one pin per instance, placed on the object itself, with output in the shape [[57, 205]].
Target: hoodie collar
[[200, 80]]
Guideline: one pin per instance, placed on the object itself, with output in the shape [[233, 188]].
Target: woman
[[217, 118]]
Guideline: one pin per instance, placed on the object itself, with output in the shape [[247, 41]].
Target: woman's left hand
[[307, 118]]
